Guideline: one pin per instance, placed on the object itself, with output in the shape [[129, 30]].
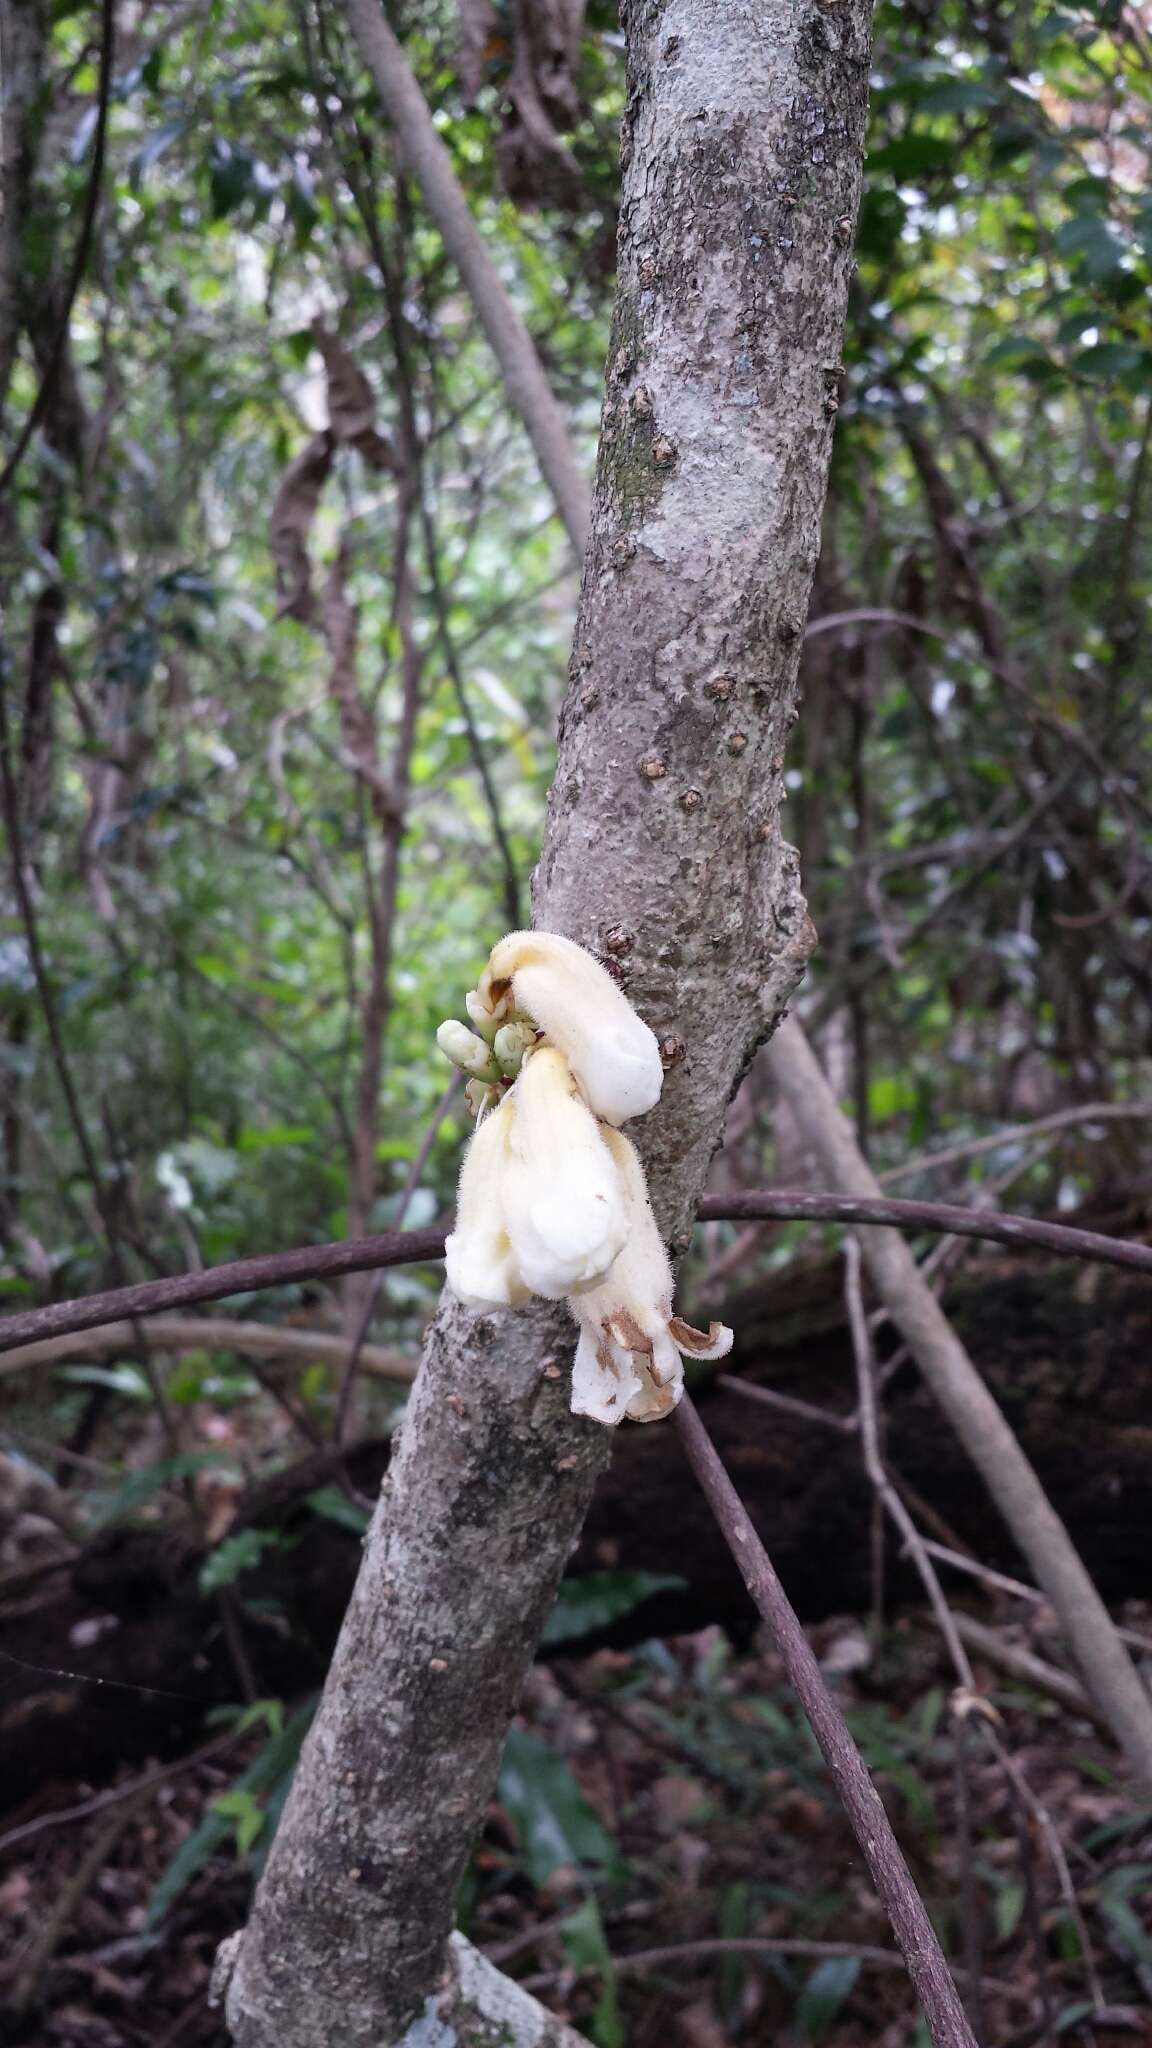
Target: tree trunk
[[742, 150]]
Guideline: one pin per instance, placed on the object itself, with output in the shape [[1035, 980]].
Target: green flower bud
[[466, 1051], [510, 1045]]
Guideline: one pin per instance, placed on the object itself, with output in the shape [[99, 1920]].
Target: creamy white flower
[[577, 1005], [541, 1205], [479, 1261], [628, 1360]]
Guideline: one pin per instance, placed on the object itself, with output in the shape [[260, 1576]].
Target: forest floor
[[678, 1803], [660, 1794]]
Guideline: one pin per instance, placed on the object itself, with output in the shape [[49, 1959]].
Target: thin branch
[[771, 1945], [416, 1247], [785, 1404], [996, 1227], [1018, 1134], [882, 1486], [80, 257], [358, 1349], [907, 1914], [426, 156], [212, 1333], [238, 1276], [135, 1788], [1017, 1587]]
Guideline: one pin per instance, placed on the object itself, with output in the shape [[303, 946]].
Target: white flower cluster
[[552, 1197]]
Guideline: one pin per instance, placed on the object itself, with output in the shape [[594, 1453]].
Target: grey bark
[[742, 155], [1107, 1669]]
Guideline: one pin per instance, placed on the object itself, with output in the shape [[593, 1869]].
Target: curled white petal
[[576, 1003], [628, 1361], [604, 1378], [564, 1207], [479, 1261]]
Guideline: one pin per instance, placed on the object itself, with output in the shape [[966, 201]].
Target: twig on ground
[[1016, 1587], [906, 1911], [874, 1466], [1034, 1671], [805, 1411], [136, 1787]]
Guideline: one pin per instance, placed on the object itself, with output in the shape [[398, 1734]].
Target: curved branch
[[416, 1247]]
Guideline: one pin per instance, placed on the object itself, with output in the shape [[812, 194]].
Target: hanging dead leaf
[[482, 44], [351, 405], [548, 45], [536, 167], [358, 735], [293, 512], [539, 63]]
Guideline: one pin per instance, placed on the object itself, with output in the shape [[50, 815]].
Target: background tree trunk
[[742, 149]]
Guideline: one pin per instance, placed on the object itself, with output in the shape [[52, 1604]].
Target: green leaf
[[1114, 1893], [235, 1555], [956, 96], [831, 1982], [1106, 360], [1009, 1906], [1017, 352], [335, 1506], [584, 1939], [273, 1766], [245, 1810], [1088, 244], [554, 1823], [140, 1486], [913, 156], [593, 1602]]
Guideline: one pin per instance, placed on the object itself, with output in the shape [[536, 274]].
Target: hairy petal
[[628, 1361], [479, 1261], [604, 1377], [563, 1201], [576, 1003]]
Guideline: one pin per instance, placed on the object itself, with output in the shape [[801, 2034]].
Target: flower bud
[[466, 1051], [486, 1024], [510, 1045]]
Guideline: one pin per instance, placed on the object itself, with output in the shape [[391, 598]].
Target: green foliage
[[248, 1810], [234, 1556], [556, 1828], [592, 1602], [831, 1982], [586, 1945]]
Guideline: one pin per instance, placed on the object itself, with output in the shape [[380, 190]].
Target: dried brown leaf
[[351, 405], [293, 512], [341, 623], [482, 41]]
